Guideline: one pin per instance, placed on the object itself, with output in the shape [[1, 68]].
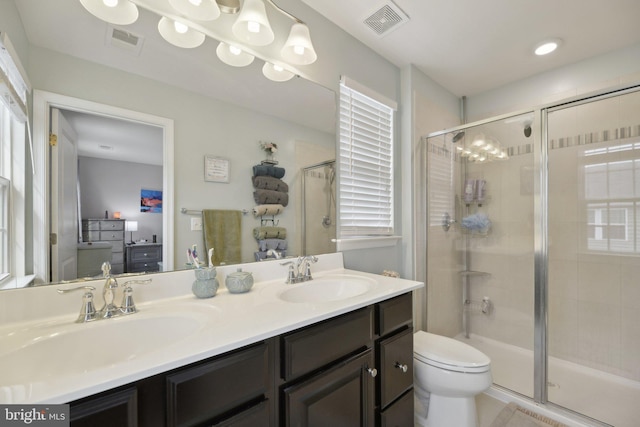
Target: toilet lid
[[447, 353]]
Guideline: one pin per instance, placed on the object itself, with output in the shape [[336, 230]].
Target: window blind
[[366, 165]]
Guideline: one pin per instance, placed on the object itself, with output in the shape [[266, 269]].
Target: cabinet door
[[342, 396], [396, 366], [119, 408]]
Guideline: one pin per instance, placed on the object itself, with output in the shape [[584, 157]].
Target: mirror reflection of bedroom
[[108, 189]]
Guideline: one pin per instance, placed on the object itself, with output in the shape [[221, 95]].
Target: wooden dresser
[[107, 230], [142, 257]]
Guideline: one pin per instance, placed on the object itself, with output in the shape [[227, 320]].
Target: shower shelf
[[472, 273]]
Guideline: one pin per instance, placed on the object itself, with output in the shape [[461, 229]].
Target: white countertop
[[226, 322]]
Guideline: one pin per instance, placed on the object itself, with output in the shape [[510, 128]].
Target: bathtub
[[605, 397]]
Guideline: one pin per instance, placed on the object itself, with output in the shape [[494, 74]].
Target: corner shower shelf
[[472, 273]]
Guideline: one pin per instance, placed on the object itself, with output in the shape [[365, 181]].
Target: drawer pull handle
[[403, 368], [373, 372]]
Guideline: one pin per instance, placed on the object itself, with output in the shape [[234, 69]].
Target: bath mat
[[516, 416]]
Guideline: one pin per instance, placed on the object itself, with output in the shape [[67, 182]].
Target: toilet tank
[[91, 255]]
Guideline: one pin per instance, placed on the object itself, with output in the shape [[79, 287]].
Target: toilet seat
[[447, 353]]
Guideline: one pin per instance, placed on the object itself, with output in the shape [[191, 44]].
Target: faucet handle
[[291, 275], [88, 310], [128, 306]]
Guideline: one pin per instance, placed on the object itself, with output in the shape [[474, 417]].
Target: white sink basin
[[327, 289], [61, 349]]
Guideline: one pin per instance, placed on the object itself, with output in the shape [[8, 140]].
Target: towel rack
[[199, 212]]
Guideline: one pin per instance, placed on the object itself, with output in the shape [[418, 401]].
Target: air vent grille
[[389, 17], [124, 40]]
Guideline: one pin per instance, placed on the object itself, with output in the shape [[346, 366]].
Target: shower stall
[[319, 208], [533, 251]]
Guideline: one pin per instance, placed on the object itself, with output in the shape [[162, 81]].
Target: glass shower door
[[594, 258]]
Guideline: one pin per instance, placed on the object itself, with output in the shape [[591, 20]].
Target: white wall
[[604, 71]]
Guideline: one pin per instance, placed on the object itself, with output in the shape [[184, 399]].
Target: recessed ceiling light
[[547, 47]]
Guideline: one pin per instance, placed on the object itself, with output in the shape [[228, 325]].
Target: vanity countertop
[[172, 328]]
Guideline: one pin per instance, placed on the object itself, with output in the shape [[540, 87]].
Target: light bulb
[[180, 27], [253, 27], [110, 3], [234, 50], [546, 48], [195, 2], [298, 50], [278, 68]]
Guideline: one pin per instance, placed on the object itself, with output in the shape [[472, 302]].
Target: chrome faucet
[[295, 275], [109, 310]]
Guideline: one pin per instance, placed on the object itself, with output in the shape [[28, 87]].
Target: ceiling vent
[[122, 39], [386, 19]]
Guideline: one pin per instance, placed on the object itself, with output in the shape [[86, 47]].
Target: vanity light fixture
[[276, 72], [200, 10], [179, 34], [298, 48], [233, 55], [118, 12], [252, 25], [547, 47]]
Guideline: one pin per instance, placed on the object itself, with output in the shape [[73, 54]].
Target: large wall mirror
[[209, 108]]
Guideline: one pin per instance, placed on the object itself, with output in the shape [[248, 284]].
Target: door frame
[[42, 103]]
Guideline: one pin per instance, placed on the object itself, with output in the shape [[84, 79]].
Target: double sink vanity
[[335, 350]]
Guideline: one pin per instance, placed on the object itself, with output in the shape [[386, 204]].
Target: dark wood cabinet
[[208, 392], [343, 396], [116, 408], [352, 370], [143, 257]]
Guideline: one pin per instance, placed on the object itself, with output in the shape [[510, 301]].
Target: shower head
[[458, 136]]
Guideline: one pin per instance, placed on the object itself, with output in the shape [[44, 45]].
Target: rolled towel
[[270, 183], [261, 210], [261, 233], [275, 244], [268, 170], [261, 255], [270, 197]]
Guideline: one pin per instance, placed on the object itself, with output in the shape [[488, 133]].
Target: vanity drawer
[[114, 225], [145, 254], [318, 345], [400, 413], [395, 313], [396, 365], [214, 389], [111, 235]]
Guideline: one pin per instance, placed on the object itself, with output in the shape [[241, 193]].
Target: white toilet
[[448, 374]]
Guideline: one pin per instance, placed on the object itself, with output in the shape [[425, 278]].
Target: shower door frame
[[303, 222], [541, 238], [541, 228]]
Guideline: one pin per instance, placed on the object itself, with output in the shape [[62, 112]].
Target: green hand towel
[[222, 232]]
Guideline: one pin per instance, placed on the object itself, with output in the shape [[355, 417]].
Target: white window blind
[[366, 165]]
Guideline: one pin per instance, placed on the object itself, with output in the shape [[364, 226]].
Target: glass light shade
[[188, 39], [252, 25], [233, 56], [276, 73], [298, 48], [203, 10], [122, 13]]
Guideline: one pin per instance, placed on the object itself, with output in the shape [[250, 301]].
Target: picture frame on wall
[[216, 169], [150, 201]]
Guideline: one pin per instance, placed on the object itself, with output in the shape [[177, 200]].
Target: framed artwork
[[151, 201], [216, 169]]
